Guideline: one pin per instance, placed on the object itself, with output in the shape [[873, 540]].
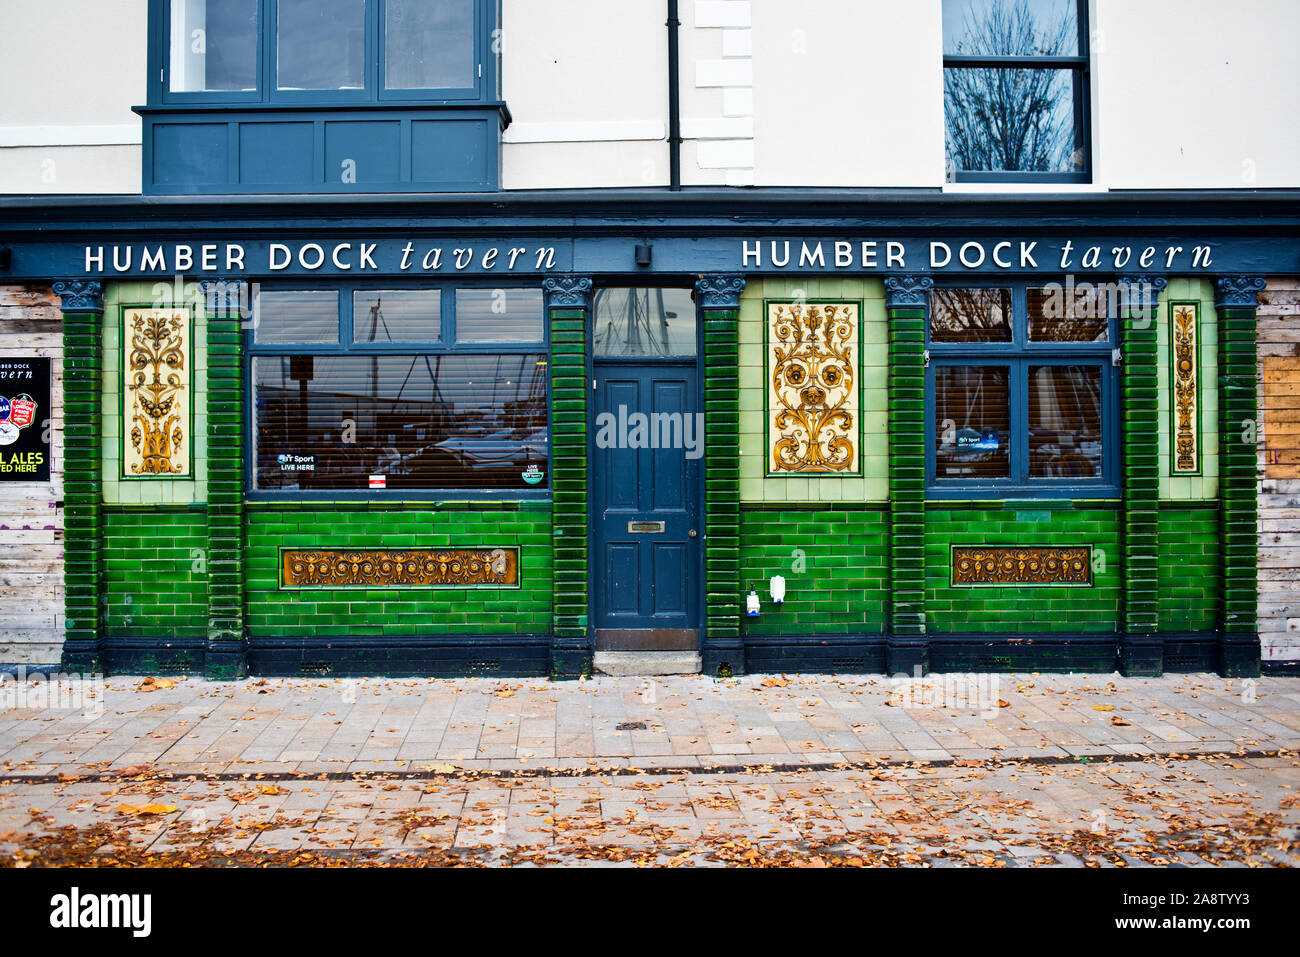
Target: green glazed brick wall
[[271, 611], [154, 573], [835, 561], [1023, 608], [1190, 569]]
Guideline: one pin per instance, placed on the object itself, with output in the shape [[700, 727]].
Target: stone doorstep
[[646, 663]]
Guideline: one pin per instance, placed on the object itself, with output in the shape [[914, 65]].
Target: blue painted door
[[646, 467]]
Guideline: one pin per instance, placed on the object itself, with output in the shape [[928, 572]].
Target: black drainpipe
[[674, 104]]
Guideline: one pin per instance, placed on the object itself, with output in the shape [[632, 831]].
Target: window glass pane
[[321, 44], [972, 422], [422, 422], [429, 44], [1003, 119], [970, 315], [499, 315], [1068, 313], [644, 322], [1065, 422], [213, 45], [396, 315], [1010, 27], [291, 316]]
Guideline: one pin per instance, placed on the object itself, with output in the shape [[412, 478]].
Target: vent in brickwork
[[315, 668]]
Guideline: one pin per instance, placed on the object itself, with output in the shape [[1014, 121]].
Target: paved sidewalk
[[1024, 770], [326, 726]]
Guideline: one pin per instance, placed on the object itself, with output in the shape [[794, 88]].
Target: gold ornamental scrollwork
[[1030, 565], [156, 392], [1186, 343], [372, 568], [813, 422]]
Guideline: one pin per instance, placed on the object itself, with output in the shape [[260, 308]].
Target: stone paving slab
[[1159, 812], [492, 724]]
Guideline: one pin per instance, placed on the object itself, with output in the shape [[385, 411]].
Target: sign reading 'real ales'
[[24, 419]]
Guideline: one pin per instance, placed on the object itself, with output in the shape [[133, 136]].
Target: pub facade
[[340, 390]]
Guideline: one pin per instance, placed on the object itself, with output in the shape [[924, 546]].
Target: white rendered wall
[[587, 86], [1198, 93], [70, 71], [1186, 94]]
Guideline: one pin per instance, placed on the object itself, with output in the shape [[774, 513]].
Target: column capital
[[1238, 290], [225, 298], [1141, 292], [80, 295], [571, 292], [907, 291], [719, 291]]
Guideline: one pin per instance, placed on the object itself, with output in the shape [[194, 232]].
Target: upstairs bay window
[[322, 96], [346, 50]]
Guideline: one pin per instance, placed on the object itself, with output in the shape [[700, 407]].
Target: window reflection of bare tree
[[970, 315], [1010, 118]]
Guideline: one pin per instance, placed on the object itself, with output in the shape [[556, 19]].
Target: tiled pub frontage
[[450, 436]]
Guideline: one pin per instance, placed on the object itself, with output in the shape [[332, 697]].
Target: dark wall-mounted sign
[[24, 419]]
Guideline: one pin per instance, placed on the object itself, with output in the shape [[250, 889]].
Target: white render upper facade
[[1184, 94]]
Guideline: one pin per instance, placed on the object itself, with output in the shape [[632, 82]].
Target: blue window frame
[[1021, 391], [435, 391], [1016, 91], [323, 52]]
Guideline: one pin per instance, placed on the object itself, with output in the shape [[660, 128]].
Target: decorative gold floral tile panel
[[1030, 565], [371, 568], [1185, 338], [156, 394], [812, 381]]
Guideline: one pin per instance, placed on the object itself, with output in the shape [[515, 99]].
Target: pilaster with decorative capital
[[1141, 650], [568, 303], [1236, 302], [907, 645], [224, 309], [83, 322], [718, 299]]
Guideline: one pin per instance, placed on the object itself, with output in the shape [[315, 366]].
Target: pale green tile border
[[1206, 485], [119, 491], [873, 484]]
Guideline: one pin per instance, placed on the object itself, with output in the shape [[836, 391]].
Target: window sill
[[938, 493]]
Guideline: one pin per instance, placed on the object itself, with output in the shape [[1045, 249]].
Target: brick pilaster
[[83, 324], [907, 299], [1236, 303], [718, 297], [227, 651], [568, 302], [1141, 650]]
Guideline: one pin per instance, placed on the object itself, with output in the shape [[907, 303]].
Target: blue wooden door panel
[[643, 477]]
